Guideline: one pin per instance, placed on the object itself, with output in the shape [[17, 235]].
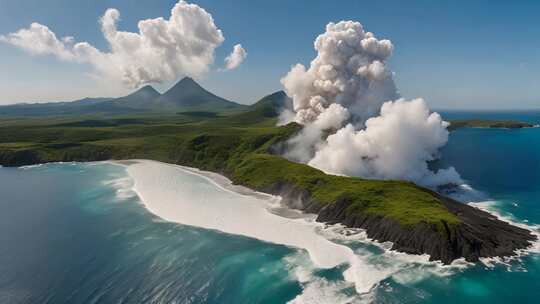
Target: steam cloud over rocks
[[349, 89], [163, 50], [395, 145]]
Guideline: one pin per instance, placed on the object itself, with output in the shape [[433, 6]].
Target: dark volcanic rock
[[479, 234], [294, 198], [19, 158]]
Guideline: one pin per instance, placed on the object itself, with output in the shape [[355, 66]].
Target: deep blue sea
[[74, 233]]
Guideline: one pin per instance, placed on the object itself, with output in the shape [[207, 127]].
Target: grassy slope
[[236, 146], [399, 200]]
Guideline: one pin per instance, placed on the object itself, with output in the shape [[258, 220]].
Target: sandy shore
[[208, 200]]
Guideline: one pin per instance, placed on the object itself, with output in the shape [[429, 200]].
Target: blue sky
[[455, 54]]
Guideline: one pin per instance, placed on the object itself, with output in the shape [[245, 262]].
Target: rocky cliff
[[480, 234]]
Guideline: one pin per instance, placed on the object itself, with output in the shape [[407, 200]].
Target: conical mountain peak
[[147, 89], [141, 98], [186, 83], [188, 94]]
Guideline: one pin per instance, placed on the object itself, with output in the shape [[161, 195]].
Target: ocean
[[80, 233]]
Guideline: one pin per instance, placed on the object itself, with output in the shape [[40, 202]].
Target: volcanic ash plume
[[349, 88], [349, 70]]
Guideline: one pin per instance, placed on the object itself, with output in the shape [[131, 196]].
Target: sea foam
[[465, 193], [182, 196], [207, 200]]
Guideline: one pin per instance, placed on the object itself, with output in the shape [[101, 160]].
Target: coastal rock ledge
[[479, 235]]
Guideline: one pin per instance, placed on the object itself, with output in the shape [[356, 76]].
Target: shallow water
[[77, 233], [69, 237]]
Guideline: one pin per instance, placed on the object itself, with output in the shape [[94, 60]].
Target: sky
[[454, 54]]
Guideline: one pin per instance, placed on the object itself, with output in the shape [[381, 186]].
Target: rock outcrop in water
[[480, 234]]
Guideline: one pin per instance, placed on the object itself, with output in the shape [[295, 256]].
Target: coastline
[[500, 128], [490, 124], [279, 208], [321, 245], [480, 235], [163, 191], [247, 213], [364, 272]]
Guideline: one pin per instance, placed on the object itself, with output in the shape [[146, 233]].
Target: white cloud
[[309, 139], [40, 40], [162, 50], [349, 88], [235, 58]]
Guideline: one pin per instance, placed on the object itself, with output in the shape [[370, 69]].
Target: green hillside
[[237, 146], [263, 112], [140, 99], [188, 95]]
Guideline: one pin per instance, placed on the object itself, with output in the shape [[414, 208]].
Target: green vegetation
[[494, 124], [399, 200], [201, 114], [233, 142], [236, 145]]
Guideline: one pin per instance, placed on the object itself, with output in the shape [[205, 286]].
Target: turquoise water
[[66, 237], [74, 233]]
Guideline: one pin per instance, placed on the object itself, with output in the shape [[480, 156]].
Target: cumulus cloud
[[348, 92], [40, 40], [235, 59], [162, 50]]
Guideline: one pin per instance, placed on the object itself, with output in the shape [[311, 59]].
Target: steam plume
[[349, 88]]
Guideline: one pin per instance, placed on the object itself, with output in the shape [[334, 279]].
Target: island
[[490, 124], [243, 144]]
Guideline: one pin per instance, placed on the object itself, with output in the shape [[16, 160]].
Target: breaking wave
[[207, 200]]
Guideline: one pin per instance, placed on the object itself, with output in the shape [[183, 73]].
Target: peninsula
[[490, 124]]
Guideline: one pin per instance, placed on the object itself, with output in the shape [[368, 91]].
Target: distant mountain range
[[186, 95]]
